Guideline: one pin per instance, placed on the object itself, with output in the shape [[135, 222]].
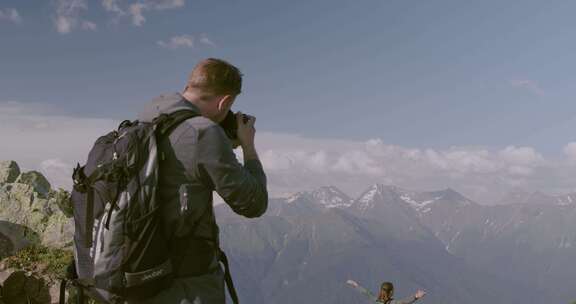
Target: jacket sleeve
[[365, 292], [408, 300], [243, 188]]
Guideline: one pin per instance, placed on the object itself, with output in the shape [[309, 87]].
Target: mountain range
[[307, 245]]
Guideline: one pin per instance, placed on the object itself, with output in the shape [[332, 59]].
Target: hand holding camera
[[240, 129], [245, 130]]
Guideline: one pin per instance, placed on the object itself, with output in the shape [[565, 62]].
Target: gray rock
[[18, 237], [9, 171], [31, 203], [22, 288], [36, 180], [6, 246]]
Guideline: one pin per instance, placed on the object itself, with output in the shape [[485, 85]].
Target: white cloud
[[185, 41], [521, 155], [10, 14], [570, 151], [68, 16], [58, 172], [182, 41], [69, 13], [207, 41], [137, 9], [87, 25], [40, 139], [484, 174], [113, 6], [358, 163], [529, 85], [166, 4]]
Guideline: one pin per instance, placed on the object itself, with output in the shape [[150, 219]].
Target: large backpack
[[119, 244]]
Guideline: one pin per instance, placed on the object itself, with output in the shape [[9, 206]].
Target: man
[[197, 158], [386, 294]]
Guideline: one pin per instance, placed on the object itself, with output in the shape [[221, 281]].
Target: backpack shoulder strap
[[166, 123]]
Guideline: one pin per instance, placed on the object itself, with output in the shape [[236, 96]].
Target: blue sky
[[417, 74]]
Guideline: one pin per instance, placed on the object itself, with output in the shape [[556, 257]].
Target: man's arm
[[243, 188]]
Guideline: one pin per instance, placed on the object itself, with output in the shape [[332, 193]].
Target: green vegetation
[[41, 260], [63, 200]]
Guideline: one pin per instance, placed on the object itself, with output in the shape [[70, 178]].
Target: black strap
[[168, 122], [228, 277], [80, 299], [63, 292], [89, 223], [72, 277]]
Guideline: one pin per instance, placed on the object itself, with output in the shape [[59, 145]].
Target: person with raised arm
[[386, 294]]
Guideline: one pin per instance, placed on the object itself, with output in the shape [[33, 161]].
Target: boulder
[[21, 288], [15, 237], [30, 202], [9, 171], [36, 180], [6, 246]]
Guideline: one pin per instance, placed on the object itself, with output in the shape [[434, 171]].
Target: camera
[[230, 125]]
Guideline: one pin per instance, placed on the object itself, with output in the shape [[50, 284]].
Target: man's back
[[197, 159]]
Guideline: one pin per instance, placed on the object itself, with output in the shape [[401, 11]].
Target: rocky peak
[[36, 180], [377, 193], [298, 197], [331, 197], [9, 171], [452, 195], [28, 201], [568, 199]]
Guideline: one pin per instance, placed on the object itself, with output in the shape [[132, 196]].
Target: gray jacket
[[197, 159]]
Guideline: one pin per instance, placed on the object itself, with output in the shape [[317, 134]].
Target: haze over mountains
[[309, 244]]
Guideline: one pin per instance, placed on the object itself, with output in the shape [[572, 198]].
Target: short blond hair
[[216, 76]]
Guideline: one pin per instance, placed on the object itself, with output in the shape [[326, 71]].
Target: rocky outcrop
[[9, 171], [14, 237], [36, 233], [6, 246], [22, 288], [42, 215], [35, 180]]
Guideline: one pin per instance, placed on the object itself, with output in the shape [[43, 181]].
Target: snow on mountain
[[326, 196], [298, 196], [331, 197], [376, 193], [420, 201], [568, 199], [419, 206]]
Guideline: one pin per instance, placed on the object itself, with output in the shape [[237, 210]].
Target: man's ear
[[225, 102]]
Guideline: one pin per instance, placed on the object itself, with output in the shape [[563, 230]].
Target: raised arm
[[419, 294], [362, 290], [243, 188]]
